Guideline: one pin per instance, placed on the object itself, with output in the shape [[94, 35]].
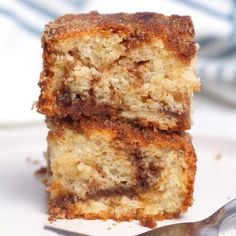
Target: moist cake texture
[[114, 170], [130, 67]]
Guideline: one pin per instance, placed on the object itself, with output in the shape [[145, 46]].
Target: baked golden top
[[124, 131], [177, 32]]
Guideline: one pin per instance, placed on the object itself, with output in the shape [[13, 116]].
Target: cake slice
[[113, 170], [133, 67]]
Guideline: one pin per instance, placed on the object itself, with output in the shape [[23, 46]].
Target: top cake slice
[[131, 67]]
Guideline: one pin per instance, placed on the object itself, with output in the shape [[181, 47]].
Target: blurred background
[[23, 133], [22, 23]]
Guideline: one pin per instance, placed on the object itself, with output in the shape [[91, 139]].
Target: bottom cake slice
[[111, 170]]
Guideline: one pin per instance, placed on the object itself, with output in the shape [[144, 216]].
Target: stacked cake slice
[[117, 92]]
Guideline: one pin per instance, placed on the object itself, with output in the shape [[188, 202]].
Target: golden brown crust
[[64, 207], [121, 130], [177, 32], [67, 210]]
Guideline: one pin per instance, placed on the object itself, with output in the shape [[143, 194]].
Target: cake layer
[[111, 170], [120, 66]]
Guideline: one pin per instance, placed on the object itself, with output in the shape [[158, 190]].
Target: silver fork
[[207, 227]]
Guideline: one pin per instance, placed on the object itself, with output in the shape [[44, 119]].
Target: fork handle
[[225, 213], [229, 211]]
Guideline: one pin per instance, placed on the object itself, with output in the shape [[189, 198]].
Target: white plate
[[23, 198]]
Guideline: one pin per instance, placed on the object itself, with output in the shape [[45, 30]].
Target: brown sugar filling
[[146, 173], [78, 108]]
